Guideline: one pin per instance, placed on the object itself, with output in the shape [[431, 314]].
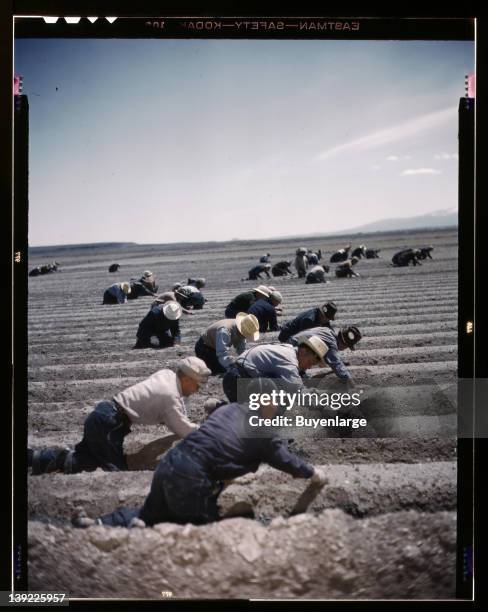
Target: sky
[[156, 141]]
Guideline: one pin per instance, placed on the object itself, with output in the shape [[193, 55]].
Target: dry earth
[[384, 526]]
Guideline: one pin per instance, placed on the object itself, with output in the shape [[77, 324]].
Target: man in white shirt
[[158, 399]]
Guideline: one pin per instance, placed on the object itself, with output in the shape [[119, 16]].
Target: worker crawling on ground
[[282, 361], [199, 283], [405, 257], [266, 258], [266, 310], [146, 285], [426, 252], [116, 293], [340, 254], [345, 338], [189, 296], [282, 268], [318, 316], [255, 272], [160, 328], [244, 301], [158, 399], [316, 274], [345, 270], [215, 345], [190, 477], [359, 251]]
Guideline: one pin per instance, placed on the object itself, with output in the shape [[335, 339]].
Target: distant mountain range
[[439, 218]]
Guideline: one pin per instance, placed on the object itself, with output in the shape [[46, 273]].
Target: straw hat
[[315, 344], [147, 274], [248, 325], [351, 336], [172, 311], [329, 309], [263, 290]]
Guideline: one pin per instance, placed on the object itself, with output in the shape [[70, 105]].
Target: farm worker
[[313, 317], [146, 285], [266, 258], [340, 255], [160, 328], [190, 477], [316, 274], [345, 269], [301, 262], [281, 361], [214, 346], [255, 273], [244, 301], [189, 297], [405, 257], [116, 293], [346, 337], [282, 268], [359, 251], [372, 253], [312, 258], [114, 267], [156, 400], [265, 311]]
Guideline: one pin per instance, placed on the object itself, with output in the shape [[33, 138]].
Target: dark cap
[[350, 336], [329, 309]]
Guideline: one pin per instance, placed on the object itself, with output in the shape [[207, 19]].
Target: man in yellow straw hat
[[214, 346]]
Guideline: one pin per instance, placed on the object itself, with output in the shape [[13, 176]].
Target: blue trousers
[[101, 445], [181, 492]]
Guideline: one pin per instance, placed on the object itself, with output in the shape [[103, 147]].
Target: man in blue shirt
[[190, 477], [314, 317], [116, 293], [347, 337], [265, 311]]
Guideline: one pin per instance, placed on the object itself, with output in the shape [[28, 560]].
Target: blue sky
[[167, 140]]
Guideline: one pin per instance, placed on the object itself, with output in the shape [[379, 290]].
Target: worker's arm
[[176, 421], [333, 359], [176, 332], [273, 323], [279, 457], [223, 345]]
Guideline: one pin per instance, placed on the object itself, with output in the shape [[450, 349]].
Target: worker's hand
[[319, 478], [154, 341]]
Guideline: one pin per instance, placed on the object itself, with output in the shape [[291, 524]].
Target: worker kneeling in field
[[116, 293], [345, 270], [244, 301], [255, 273], [406, 257], [190, 477], [215, 344], [157, 400], [316, 274], [281, 361], [265, 311], [347, 337], [313, 317], [146, 285], [282, 268], [189, 296], [160, 328]]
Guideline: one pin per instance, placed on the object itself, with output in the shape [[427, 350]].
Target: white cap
[[263, 290], [194, 368], [276, 296], [147, 274]]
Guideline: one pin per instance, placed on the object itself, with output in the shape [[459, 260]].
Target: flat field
[[385, 525]]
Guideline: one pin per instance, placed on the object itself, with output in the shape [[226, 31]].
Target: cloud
[[396, 133], [413, 171], [392, 158], [446, 156]]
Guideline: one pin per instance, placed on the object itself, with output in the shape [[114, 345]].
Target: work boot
[[48, 460]]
